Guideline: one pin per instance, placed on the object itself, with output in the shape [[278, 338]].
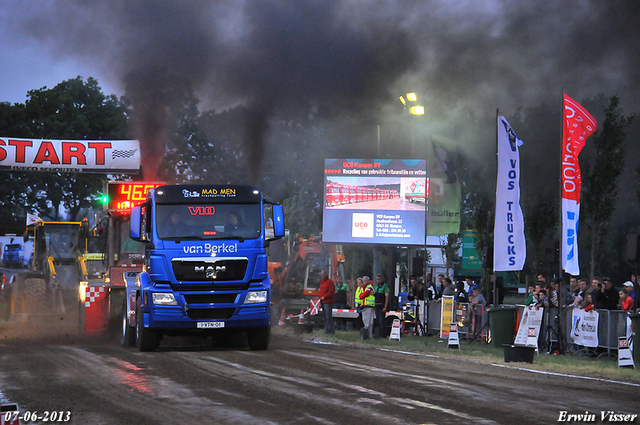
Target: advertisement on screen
[[376, 201]]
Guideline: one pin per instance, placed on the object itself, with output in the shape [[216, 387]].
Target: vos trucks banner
[[70, 156], [509, 244], [578, 126], [375, 201]]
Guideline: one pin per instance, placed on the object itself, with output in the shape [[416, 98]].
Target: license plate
[[210, 325]]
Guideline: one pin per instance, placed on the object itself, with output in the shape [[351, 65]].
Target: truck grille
[[210, 298], [210, 313], [210, 270], [211, 286]]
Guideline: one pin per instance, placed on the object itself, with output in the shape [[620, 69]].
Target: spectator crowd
[[598, 294]]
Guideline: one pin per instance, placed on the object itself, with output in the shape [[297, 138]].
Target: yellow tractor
[[52, 283]]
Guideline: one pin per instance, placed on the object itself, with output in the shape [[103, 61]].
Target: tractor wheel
[[146, 339], [17, 302], [258, 338], [35, 296], [128, 333]]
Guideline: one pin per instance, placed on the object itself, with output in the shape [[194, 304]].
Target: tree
[[541, 219], [75, 110], [600, 186], [478, 208], [303, 212]]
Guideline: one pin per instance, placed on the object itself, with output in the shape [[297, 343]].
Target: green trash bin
[[502, 325], [635, 325]]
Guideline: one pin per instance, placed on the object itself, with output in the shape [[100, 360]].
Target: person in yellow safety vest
[[365, 303]]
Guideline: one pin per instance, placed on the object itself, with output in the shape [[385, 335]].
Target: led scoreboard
[[123, 196]]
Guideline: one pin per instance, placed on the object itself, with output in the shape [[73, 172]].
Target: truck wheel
[[146, 339], [35, 294], [128, 335], [258, 338]]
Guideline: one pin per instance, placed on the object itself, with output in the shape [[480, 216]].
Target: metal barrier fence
[[477, 326], [612, 324]]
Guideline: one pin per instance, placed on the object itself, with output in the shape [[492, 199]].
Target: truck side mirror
[[278, 221], [135, 230]]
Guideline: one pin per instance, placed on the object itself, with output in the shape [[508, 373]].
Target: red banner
[[578, 126]]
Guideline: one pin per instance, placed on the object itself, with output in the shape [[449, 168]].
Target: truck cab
[[205, 263]]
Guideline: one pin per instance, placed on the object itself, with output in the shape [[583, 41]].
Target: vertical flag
[[444, 188], [32, 219], [578, 125], [509, 244]]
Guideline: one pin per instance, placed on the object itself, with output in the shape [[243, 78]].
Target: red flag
[[578, 126]]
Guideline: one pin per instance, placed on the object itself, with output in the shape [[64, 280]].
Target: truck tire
[[258, 338], [35, 296], [146, 339], [128, 333]]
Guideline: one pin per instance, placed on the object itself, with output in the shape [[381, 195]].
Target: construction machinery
[[51, 285], [298, 280]]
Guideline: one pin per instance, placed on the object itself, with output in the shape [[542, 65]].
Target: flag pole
[[426, 207], [560, 223], [425, 258], [493, 245], [562, 284]]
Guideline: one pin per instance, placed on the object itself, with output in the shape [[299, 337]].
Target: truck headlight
[[255, 297], [164, 298]]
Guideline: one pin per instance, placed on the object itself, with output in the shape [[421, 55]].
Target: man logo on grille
[[212, 273]]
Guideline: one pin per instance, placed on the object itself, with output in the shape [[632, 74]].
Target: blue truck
[[205, 264], [12, 255]]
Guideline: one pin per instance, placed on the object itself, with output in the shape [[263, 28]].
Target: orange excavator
[[297, 281]]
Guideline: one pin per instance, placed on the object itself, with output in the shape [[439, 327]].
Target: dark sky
[[465, 59]]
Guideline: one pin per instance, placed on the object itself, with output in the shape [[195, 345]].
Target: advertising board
[[376, 201]]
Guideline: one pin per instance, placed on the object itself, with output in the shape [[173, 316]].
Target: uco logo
[[362, 225]]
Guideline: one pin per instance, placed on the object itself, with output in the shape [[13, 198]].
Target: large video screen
[[375, 201]]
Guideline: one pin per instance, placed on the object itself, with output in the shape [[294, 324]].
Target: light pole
[[410, 103]]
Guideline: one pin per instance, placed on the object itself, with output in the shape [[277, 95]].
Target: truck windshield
[[206, 221]]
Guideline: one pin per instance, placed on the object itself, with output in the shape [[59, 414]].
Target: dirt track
[[295, 381]]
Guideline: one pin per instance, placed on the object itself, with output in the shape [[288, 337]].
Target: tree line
[[211, 146]]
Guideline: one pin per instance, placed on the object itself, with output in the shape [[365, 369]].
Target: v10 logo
[[202, 210], [362, 225]]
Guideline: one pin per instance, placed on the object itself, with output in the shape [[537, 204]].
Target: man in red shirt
[[327, 290]]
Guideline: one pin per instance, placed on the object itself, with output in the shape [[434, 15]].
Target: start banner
[[70, 156]]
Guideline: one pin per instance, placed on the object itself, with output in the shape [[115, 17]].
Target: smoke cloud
[[465, 59]]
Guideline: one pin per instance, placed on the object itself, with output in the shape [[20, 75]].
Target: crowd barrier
[[611, 325], [477, 327]]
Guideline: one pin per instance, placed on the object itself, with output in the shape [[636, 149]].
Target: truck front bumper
[[177, 317]]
